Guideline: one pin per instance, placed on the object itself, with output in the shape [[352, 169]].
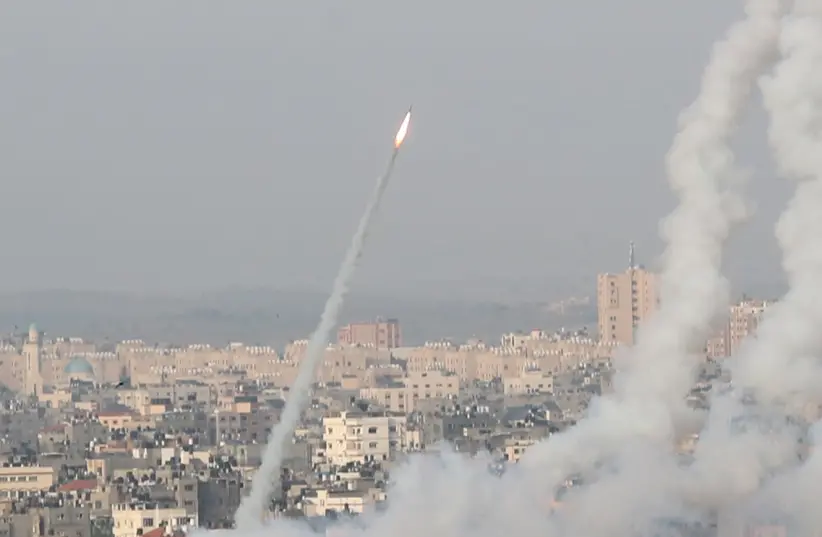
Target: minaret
[[32, 351]]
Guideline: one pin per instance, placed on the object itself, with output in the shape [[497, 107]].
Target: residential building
[[362, 436], [624, 301]]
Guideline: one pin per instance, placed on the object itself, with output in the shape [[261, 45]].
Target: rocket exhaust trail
[[780, 365], [649, 392], [255, 504], [781, 361]]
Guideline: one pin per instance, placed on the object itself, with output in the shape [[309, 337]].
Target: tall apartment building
[[742, 322], [624, 301], [381, 334]]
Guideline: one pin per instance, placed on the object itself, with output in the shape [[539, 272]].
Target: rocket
[[403, 130]]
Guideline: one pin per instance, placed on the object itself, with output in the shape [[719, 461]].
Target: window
[[372, 445], [372, 430]]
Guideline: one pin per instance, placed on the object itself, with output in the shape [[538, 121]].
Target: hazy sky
[[154, 146]]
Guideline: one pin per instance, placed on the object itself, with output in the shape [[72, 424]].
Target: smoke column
[[781, 360], [780, 366], [631, 432], [255, 504], [657, 373]]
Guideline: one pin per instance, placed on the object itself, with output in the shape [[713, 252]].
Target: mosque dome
[[79, 366]]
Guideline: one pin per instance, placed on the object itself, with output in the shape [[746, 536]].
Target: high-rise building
[[741, 323], [744, 321], [624, 301]]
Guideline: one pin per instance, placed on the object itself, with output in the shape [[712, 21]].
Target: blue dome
[[78, 366]]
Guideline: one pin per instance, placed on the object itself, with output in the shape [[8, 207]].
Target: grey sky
[[156, 146]]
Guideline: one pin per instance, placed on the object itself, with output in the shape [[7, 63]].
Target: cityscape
[[183, 180], [141, 438]]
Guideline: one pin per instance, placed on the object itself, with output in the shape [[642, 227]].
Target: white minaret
[[32, 352]]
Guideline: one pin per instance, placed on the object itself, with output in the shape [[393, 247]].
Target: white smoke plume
[[256, 503], [781, 361], [633, 481], [657, 373], [779, 370]]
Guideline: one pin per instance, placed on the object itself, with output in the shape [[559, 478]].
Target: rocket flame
[[403, 130]]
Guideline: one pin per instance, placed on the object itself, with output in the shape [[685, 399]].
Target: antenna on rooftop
[[631, 261]]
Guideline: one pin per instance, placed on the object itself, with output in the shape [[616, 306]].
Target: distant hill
[[266, 316]]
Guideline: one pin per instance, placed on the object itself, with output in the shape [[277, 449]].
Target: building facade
[[381, 334], [362, 436], [624, 301]]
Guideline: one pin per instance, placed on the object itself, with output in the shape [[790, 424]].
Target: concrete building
[[318, 502], [717, 345], [132, 520], [52, 518], [219, 498], [624, 301], [744, 319], [514, 448], [362, 436], [381, 334], [742, 322], [22, 481], [402, 395], [528, 383]]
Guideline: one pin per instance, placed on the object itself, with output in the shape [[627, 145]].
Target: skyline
[[265, 316], [199, 147]]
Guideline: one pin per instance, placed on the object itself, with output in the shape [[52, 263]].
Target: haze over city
[[574, 298], [186, 147]]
